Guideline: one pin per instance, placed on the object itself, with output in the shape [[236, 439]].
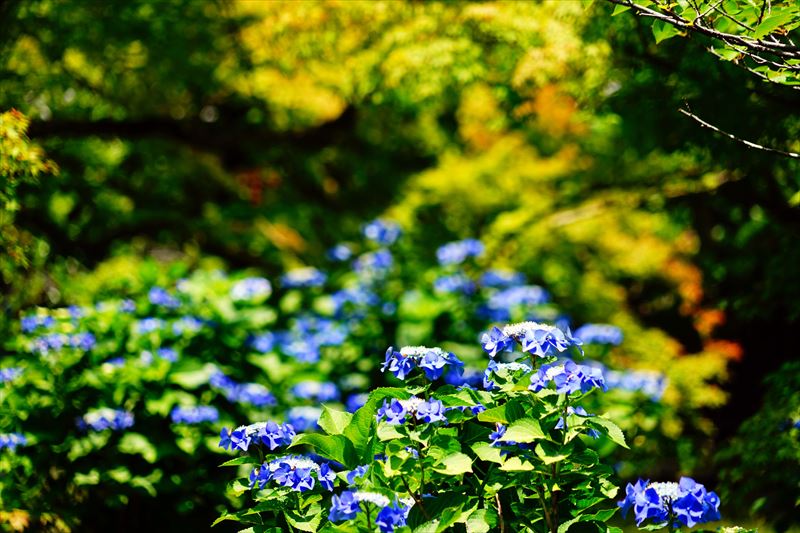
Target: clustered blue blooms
[[356, 401], [295, 472], [12, 440], [304, 417], [501, 279], [245, 393], [373, 263], [270, 434], [55, 342], [106, 418], [194, 415], [538, 339], [159, 296], [340, 252], [9, 374], [392, 513], [31, 323], [454, 283], [251, 289], [307, 335], [167, 354], [599, 334], [303, 277], [502, 303], [382, 232], [432, 361], [427, 411], [650, 383], [148, 325], [353, 297], [187, 324], [456, 252], [686, 503], [321, 391], [568, 377]]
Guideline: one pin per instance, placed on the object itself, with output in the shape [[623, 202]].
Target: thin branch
[[745, 142], [500, 513]]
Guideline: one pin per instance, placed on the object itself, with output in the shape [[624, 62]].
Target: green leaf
[[515, 464], [335, 447], [242, 460], [137, 444], [333, 421], [194, 378], [775, 21], [524, 430], [454, 464], [503, 414], [305, 522], [551, 453], [663, 31], [609, 428], [487, 452], [619, 9], [481, 521]]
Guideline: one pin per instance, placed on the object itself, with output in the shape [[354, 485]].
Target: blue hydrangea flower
[[274, 436], [344, 507], [357, 473], [648, 382], [356, 401], [9, 374], [269, 434], [432, 361], [148, 325], [391, 516], [127, 306], [495, 341], [599, 334], [244, 393], [456, 252], [685, 503], [501, 279], [508, 371], [340, 252], [31, 323], [295, 472], [382, 232], [353, 297], [187, 324], [168, 354], [159, 296], [303, 277], [303, 418], [373, 263], [326, 476], [393, 412], [568, 378], [251, 289], [469, 377], [105, 418], [194, 415], [264, 342], [454, 283], [431, 411], [398, 364], [12, 441], [321, 391]]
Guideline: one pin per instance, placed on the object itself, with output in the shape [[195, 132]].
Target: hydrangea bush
[[426, 456]]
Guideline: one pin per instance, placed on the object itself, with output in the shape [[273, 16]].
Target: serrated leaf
[[454, 464], [481, 521], [333, 421], [610, 429], [503, 414], [487, 452], [334, 447], [242, 460], [551, 453], [137, 444], [524, 430], [663, 31], [775, 21]]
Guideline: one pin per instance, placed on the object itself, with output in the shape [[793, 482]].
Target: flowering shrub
[[429, 455]]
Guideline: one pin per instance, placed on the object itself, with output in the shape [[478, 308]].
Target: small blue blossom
[[167, 354], [356, 401], [568, 378], [393, 412], [357, 473], [303, 277], [320, 391], [599, 334], [12, 440], [127, 306], [373, 263], [187, 324], [392, 516], [31, 323], [495, 341], [344, 507], [383, 232], [455, 253], [105, 418], [251, 289], [303, 418], [148, 325], [454, 283], [686, 503], [432, 361], [340, 252], [263, 342], [326, 476], [245, 393], [501, 278], [9, 374], [194, 415], [159, 296], [431, 411]]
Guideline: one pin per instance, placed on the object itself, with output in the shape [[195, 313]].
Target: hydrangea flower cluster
[[245, 393], [55, 342], [263, 342], [106, 418], [356, 401], [651, 383], [194, 415], [454, 283], [295, 472], [427, 411], [514, 369], [167, 354], [456, 252], [501, 279], [537, 339], [9, 374], [304, 417], [392, 513], [568, 377], [270, 434], [432, 361], [599, 334], [31, 323], [500, 305], [340, 252], [686, 503], [148, 325], [321, 391], [12, 441], [357, 297], [303, 277], [187, 324], [308, 335], [382, 232], [251, 289], [159, 296], [373, 263]]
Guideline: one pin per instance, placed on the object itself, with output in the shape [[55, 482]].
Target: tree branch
[[745, 142]]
